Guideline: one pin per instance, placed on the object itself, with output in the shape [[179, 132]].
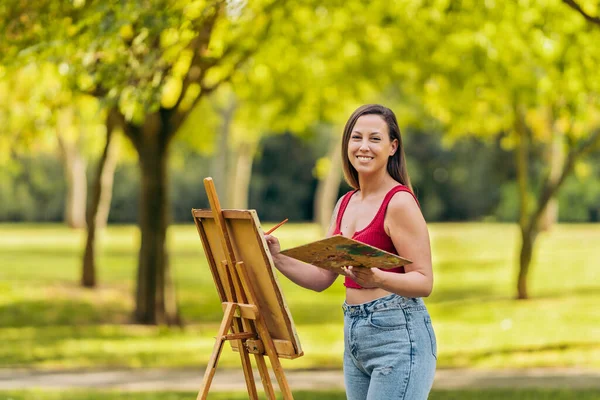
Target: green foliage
[[461, 183], [577, 201], [32, 190], [580, 199], [138, 55], [467, 65], [282, 182], [469, 181], [508, 207], [37, 108], [487, 60]]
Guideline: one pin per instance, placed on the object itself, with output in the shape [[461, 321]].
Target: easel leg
[[275, 364], [214, 358], [248, 374], [263, 332], [265, 377], [240, 326]]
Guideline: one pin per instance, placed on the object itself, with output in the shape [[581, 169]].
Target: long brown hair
[[396, 165]]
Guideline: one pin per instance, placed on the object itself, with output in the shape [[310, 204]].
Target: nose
[[364, 145]]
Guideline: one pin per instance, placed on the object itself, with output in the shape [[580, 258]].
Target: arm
[[406, 226], [303, 274]]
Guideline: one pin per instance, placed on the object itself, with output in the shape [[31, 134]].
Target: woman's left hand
[[366, 277]]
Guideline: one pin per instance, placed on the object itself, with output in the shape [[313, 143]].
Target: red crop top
[[374, 233]]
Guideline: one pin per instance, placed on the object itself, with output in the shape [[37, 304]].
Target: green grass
[[47, 321], [499, 394]]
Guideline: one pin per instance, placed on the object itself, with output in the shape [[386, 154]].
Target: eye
[[355, 137], [377, 139]]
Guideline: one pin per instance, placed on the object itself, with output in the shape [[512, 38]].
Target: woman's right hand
[[273, 244]]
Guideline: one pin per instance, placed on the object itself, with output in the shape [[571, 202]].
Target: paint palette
[[339, 251]]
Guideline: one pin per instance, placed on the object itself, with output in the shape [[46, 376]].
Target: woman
[[390, 346]]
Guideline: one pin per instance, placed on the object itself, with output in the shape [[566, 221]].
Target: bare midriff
[[364, 295]]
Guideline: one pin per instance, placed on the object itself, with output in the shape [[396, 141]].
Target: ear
[[394, 147]]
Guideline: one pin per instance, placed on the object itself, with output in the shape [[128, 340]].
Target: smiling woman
[[389, 344], [370, 147], [371, 130]]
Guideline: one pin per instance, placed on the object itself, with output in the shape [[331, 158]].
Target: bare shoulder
[[336, 210], [404, 210], [403, 202], [337, 205], [332, 223]]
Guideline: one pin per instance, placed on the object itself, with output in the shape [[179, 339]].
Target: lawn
[[500, 394], [47, 321]]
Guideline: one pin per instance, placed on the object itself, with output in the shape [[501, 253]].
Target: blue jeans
[[390, 349]]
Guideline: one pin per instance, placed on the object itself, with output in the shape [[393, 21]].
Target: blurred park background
[[113, 112]]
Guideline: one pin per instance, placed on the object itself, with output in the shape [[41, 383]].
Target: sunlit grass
[[48, 321]]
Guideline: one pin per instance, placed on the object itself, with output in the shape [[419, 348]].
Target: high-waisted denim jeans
[[390, 349]]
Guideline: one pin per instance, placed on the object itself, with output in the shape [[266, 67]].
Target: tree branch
[[588, 145], [551, 187], [199, 64], [205, 90], [522, 162], [243, 58], [133, 133], [203, 64], [575, 6]]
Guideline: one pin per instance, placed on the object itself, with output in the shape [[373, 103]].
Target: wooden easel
[[242, 316]]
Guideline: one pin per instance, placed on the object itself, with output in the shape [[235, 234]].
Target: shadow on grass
[[81, 312], [466, 359], [69, 251], [486, 294], [470, 264], [67, 304], [55, 312], [569, 292], [197, 311], [478, 293]]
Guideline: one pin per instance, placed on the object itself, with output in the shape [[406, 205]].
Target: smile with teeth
[[364, 158]]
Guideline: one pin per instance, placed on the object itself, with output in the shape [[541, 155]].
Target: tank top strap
[[343, 205], [380, 216]]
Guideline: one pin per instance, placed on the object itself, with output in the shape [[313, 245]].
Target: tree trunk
[[77, 191], [220, 161], [106, 182], [529, 223], [550, 216], [556, 159], [328, 187], [522, 155], [239, 184], [528, 237], [102, 184], [75, 173], [155, 296]]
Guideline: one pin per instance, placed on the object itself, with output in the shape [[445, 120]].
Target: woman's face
[[369, 146]]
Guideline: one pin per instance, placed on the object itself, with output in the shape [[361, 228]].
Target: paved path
[[232, 380]]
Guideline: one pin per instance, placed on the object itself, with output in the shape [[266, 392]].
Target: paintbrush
[[276, 226]]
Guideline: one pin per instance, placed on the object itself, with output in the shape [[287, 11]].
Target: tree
[[152, 62], [42, 107], [527, 72], [42, 115], [75, 167], [98, 207]]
